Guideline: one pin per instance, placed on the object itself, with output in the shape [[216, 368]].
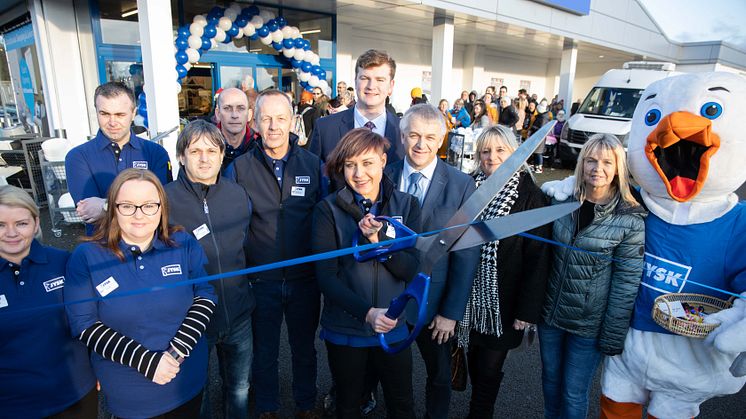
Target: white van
[[609, 106]]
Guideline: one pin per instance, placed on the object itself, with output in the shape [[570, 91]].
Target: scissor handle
[[382, 253], [417, 290]]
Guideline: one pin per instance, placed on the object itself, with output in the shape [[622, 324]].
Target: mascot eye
[[652, 117], [711, 110]]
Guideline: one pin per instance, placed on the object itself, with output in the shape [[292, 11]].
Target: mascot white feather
[[687, 151]]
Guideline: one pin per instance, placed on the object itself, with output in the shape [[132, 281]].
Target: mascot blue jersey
[[678, 254]]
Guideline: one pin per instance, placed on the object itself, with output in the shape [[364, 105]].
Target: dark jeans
[[437, 359], [234, 349], [568, 364], [85, 408], [298, 302], [348, 365]]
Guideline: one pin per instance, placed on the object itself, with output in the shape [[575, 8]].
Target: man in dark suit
[[374, 82], [441, 190]]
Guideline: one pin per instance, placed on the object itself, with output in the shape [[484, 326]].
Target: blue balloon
[[141, 98], [298, 43], [181, 70], [263, 31], [316, 70], [245, 13], [322, 75], [145, 122], [253, 10], [181, 57], [216, 11], [213, 21], [306, 67], [304, 84], [233, 31], [184, 31], [228, 39], [143, 111], [295, 63], [281, 22], [288, 43], [271, 25], [210, 32], [254, 37], [241, 21], [307, 45], [309, 88], [181, 43], [135, 69], [206, 44], [277, 46]]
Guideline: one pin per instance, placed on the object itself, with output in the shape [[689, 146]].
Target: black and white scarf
[[483, 309]]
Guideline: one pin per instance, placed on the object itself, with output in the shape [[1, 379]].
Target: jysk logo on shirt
[[664, 275], [303, 180], [169, 270], [140, 164], [54, 284]]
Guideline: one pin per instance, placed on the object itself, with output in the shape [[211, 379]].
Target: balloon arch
[[222, 25]]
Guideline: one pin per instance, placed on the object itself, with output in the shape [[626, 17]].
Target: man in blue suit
[[441, 190], [374, 82]]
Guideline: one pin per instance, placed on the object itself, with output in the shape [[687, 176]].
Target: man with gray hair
[[284, 183], [441, 190]]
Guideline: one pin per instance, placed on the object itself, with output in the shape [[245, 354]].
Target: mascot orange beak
[[679, 149]]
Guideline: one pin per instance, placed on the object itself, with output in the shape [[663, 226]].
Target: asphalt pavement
[[520, 394]]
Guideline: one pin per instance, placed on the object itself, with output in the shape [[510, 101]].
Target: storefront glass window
[[240, 77], [118, 20], [267, 78], [127, 72]]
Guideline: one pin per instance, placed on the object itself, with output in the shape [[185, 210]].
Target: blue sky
[[701, 20]]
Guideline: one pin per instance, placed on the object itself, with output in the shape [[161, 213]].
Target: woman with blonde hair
[[45, 371], [147, 347], [508, 291], [590, 293]]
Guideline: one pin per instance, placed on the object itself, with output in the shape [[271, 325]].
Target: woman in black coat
[[508, 291]]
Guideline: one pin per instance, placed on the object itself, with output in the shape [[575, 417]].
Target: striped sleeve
[[194, 325], [116, 347]]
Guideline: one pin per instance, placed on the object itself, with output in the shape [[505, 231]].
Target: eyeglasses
[[150, 208]]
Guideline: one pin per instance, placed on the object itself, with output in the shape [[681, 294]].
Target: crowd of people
[[256, 189]]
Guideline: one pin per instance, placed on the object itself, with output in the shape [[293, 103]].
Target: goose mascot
[[687, 151]]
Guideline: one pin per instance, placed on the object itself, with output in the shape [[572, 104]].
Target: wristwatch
[[175, 354]]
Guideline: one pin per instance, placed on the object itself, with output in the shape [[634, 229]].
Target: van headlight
[[565, 129]]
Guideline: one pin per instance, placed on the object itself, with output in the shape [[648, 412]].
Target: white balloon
[[249, 30], [277, 36], [257, 21], [239, 35], [193, 55], [288, 52], [140, 120], [287, 32], [195, 42], [309, 56], [235, 6], [214, 43], [200, 19], [323, 84], [224, 23], [327, 90], [267, 15], [316, 60], [313, 81], [196, 29], [266, 40], [303, 76], [187, 66], [296, 33], [231, 14], [178, 88], [299, 54], [219, 35]]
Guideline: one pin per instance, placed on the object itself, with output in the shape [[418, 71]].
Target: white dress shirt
[[427, 176], [379, 121]]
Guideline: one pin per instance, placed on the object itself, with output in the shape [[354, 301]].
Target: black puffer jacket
[[350, 288], [593, 296]]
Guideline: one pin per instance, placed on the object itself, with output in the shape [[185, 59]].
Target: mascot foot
[[611, 409]]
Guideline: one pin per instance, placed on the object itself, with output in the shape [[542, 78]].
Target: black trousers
[[437, 359], [188, 410], [348, 366], [85, 408]]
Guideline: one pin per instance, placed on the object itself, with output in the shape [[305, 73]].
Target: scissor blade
[[499, 228]]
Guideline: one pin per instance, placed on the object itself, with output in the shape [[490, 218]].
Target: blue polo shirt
[[150, 318], [43, 369], [92, 166]]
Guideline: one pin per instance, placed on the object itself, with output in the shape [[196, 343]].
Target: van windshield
[[611, 101]]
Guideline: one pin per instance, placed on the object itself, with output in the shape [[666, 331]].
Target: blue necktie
[[414, 186]]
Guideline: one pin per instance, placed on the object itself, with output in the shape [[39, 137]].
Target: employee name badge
[[106, 287], [298, 191], [201, 231], [3, 301], [390, 230]]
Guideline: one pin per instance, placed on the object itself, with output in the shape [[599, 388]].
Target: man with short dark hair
[[234, 112], [441, 191], [216, 212], [91, 167], [374, 82], [284, 182]]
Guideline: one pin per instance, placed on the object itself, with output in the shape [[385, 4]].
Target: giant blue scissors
[[461, 233]]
